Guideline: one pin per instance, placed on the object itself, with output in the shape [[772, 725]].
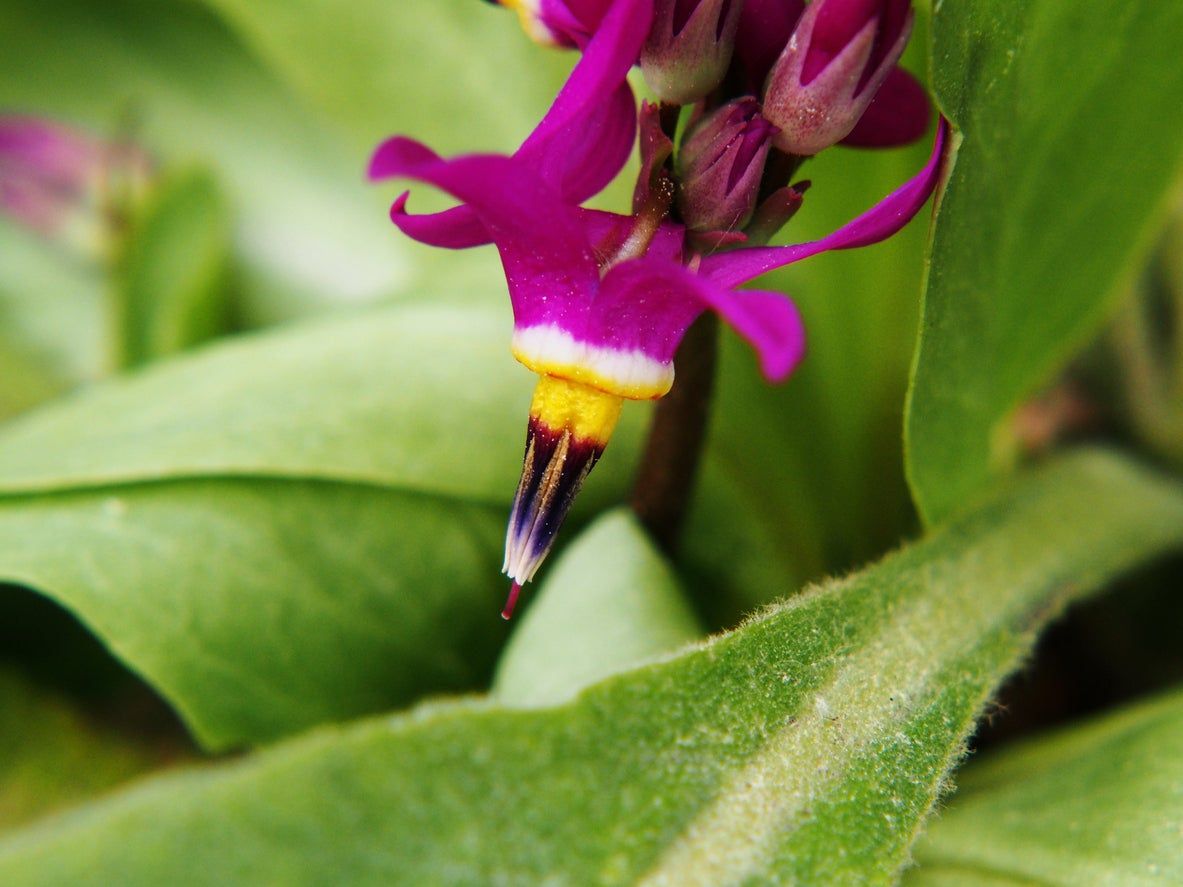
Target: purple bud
[[721, 164], [569, 23], [689, 47], [839, 55]]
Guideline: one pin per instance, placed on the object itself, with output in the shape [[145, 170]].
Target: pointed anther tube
[[569, 427], [838, 57]]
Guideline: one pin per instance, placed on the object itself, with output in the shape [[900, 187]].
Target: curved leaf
[[269, 532], [1071, 141], [50, 755], [830, 721], [1094, 804], [172, 290], [609, 603]]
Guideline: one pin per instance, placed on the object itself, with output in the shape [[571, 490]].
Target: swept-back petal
[[603, 67], [582, 142], [876, 224], [548, 263], [646, 306]]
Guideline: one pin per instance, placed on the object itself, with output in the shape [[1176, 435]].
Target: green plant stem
[[665, 479]]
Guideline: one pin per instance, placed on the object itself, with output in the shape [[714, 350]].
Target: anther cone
[[569, 426]]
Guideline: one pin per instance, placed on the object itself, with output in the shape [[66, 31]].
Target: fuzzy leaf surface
[[1094, 804], [829, 721], [269, 533]]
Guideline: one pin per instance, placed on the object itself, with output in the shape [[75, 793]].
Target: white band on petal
[[553, 351]]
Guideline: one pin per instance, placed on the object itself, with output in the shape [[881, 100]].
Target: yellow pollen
[[531, 22], [589, 413]]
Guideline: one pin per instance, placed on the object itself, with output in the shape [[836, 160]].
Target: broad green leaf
[[1070, 144], [458, 76], [50, 755], [609, 603], [271, 531], [172, 291], [1095, 804], [806, 747]]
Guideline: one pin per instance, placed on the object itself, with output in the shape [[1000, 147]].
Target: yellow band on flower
[[588, 413], [531, 20]]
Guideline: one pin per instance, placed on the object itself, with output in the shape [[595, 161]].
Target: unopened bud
[[721, 164], [689, 48], [839, 55]]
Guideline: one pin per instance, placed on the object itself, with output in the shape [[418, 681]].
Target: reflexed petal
[[456, 228], [548, 263], [602, 69], [581, 143], [647, 305], [876, 224], [898, 115], [581, 158]]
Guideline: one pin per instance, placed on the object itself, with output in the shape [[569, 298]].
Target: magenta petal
[[583, 156], [579, 161], [602, 69], [580, 145], [648, 304], [876, 224], [898, 115], [456, 228], [548, 263]]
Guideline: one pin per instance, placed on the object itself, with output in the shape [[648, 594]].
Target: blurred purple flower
[[64, 183]]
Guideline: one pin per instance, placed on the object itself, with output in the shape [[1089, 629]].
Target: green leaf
[[172, 290], [1095, 804], [51, 755], [609, 603], [270, 532], [447, 74], [1070, 143], [828, 722], [52, 321]]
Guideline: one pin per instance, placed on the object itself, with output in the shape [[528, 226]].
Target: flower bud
[[721, 164], [569, 23], [839, 55], [689, 47]]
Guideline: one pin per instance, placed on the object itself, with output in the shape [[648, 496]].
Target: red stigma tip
[[511, 601]]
